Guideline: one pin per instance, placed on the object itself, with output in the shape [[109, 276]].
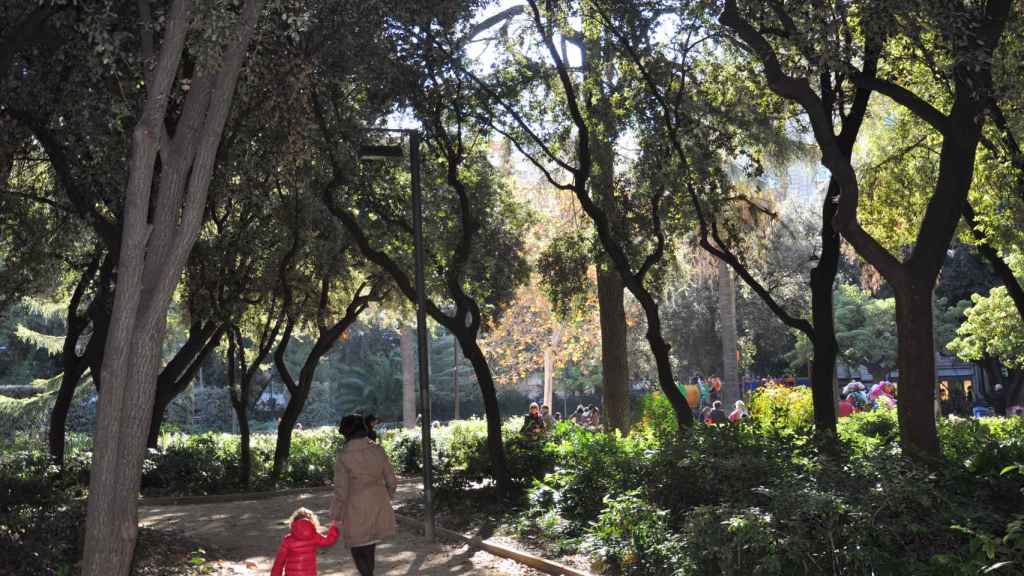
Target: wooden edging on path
[[535, 562], [237, 497]]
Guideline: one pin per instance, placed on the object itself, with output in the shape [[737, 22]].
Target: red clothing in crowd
[[845, 408], [297, 554]]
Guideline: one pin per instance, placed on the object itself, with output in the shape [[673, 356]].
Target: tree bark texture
[[455, 378], [916, 360], [471, 350], [823, 277], [408, 346], [614, 356], [727, 326], [154, 247]]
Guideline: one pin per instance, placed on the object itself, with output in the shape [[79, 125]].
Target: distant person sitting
[[846, 406], [739, 412], [595, 418], [547, 418], [577, 416], [533, 424], [717, 415], [705, 416]]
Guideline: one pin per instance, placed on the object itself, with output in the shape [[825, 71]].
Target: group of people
[[540, 420], [361, 513], [856, 397], [714, 414]]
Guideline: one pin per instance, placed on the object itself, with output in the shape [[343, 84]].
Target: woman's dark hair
[[353, 426]]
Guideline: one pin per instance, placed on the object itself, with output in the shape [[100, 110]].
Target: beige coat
[[364, 484]]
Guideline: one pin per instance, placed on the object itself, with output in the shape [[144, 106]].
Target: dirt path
[[247, 535]]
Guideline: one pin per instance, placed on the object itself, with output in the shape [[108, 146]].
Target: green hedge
[[761, 497]]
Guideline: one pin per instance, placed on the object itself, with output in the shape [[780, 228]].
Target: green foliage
[[374, 385], [993, 329], [866, 330], [564, 266], [765, 499], [782, 409], [656, 415], [208, 463], [461, 458], [632, 537], [31, 415]]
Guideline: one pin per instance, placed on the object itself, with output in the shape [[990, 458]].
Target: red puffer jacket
[[297, 554]]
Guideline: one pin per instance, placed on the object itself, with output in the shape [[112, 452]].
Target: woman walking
[[364, 484]]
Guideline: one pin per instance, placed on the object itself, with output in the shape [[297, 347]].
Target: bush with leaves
[[783, 409], [633, 538], [767, 498]]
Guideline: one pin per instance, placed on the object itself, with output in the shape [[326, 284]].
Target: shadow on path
[[246, 536]]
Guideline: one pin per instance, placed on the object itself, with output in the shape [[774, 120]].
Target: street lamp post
[[377, 152]]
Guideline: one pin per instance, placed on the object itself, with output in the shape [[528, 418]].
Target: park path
[[246, 534]]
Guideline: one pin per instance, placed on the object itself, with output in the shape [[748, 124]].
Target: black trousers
[[365, 557]]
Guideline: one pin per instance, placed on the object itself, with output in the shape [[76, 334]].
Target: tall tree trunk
[[916, 393], [727, 327], [283, 447], [158, 233], [1013, 390], [823, 276], [455, 378], [244, 444], [408, 345], [471, 350], [610, 285], [614, 356], [549, 377]]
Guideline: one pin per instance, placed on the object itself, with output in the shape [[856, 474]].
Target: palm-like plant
[[375, 386]]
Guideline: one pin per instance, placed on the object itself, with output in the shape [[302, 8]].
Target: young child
[[297, 554]]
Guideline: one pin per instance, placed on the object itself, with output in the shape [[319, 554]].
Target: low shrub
[[782, 409], [763, 497], [633, 538], [461, 457]]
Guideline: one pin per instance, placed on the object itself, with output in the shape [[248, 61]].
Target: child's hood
[[303, 529]]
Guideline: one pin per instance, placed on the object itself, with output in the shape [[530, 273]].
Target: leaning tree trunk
[[299, 391], [614, 356], [75, 365], [59, 416], [282, 449], [916, 393], [495, 444], [727, 326], [660, 350], [176, 376]]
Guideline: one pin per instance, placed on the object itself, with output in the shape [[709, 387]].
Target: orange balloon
[[692, 395]]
